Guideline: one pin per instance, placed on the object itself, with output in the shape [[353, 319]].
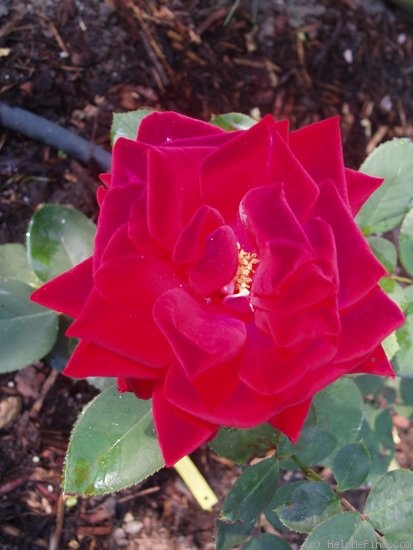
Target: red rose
[[229, 282]]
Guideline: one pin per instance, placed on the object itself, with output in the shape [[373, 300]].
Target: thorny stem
[[400, 279]]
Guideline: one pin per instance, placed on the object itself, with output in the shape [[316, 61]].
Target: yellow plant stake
[[196, 483]]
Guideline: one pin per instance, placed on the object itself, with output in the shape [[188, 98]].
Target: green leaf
[[27, 331], [394, 291], [406, 242], [346, 530], [351, 466], [389, 504], [391, 345], [403, 360], [385, 252], [230, 534], [15, 265], [233, 121], [388, 205], [251, 492], [63, 348], [394, 540], [370, 386], [339, 410], [126, 124], [266, 542], [282, 495], [377, 436], [59, 237], [311, 503], [113, 445], [241, 446]]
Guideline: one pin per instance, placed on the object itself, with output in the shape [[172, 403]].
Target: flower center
[[247, 262]]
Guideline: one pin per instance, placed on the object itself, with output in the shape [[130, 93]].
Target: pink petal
[[367, 323], [166, 127], [115, 212], [310, 144], [360, 187], [376, 363], [104, 324], [358, 269], [101, 194], [138, 230], [173, 191], [69, 291], [179, 433], [129, 163], [257, 156], [199, 337], [291, 420], [191, 242], [91, 360], [218, 265]]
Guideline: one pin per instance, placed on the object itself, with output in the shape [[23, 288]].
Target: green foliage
[[266, 542], [385, 251], [233, 121], [59, 237], [15, 265], [126, 124], [345, 530], [113, 445], [229, 534], [351, 466]]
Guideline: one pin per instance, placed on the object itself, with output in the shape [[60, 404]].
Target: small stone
[[9, 411], [128, 517], [134, 527]]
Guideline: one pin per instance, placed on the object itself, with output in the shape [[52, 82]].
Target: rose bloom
[[229, 281]]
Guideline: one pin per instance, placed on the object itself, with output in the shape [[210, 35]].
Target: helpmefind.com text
[[357, 544]]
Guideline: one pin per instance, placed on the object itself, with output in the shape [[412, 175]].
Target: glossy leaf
[[113, 445], [394, 540], [388, 205], [394, 291], [343, 396], [266, 542], [14, 264], [376, 434], [233, 121], [346, 530], [403, 360], [251, 492], [63, 348], [230, 534], [282, 495], [384, 250], [59, 237], [27, 331], [311, 503], [126, 124], [241, 446], [351, 466], [389, 504], [406, 242]]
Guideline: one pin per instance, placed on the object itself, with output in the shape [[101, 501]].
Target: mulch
[[76, 62]]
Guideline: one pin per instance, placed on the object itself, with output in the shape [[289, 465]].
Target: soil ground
[[75, 62]]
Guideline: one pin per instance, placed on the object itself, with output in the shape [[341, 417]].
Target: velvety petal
[[199, 337], [179, 433], [133, 281], [102, 323], [143, 389], [173, 191], [259, 156], [101, 193], [376, 363], [138, 230], [218, 265], [115, 212], [68, 292], [310, 145], [368, 323], [129, 163], [191, 242], [291, 420], [270, 370], [358, 269], [322, 240], [166, 127], [360, 186], [91, 360]]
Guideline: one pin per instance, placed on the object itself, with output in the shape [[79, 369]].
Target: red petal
[[173, 191], [260, 155], [179, 433], [104, 324], [291, 420], [367, 323], [218, 265], [376, 363], [359, 270], [129, 163], [199, 337], [138, 228], [191, 242], [69, 291], [91, 360], [143, 389], [360, 187], [310, 144], [164, 128], [115, 212]]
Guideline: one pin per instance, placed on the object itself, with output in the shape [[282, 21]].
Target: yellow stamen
[[247, 262]]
